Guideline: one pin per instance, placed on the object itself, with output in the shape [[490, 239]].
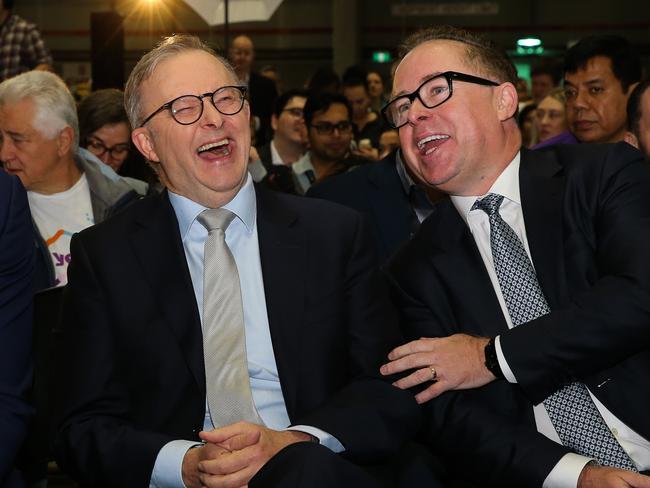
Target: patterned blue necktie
[[572, 411]]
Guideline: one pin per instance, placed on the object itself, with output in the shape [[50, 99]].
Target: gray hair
[[54, 106], [167, 48]]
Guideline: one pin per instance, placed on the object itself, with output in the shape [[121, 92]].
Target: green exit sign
[[381, 57]]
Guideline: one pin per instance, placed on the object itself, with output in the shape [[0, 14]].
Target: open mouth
[[430, 143], [217, 149]]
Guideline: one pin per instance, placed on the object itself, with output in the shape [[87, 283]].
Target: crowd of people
[[208, 279]]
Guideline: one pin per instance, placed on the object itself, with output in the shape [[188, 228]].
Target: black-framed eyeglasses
[[327, 128], [96, 146], [433, 92], [187, 109]]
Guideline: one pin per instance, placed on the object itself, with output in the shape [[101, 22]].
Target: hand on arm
[[605, 477], [237, 452], [458, 361]]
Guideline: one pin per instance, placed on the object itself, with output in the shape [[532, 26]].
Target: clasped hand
[[456, 362], [232, 455]]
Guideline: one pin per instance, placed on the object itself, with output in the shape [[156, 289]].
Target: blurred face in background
[[359, 100], [111, 144], [242, 53], [542, 84], [550, 118], [330, 133], [375, 85], [596, 102], [290, 124]]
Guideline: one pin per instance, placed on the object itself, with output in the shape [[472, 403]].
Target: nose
[[581, 100], [211, 116], [417, 112], [106, 157]]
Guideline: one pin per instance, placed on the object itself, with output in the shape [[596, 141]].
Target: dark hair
[[324, 79], [548, 68], [321, 103], [282, 101], [484, 54], [523, 113], [634, 107], [626, 63], [100, 108], [352, 82]]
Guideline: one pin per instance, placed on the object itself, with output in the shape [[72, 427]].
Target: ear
[[142, 139], [506, 101], [274, 122], [631, 139], [64, 141]]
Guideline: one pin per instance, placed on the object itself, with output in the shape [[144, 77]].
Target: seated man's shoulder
[[584, 157]]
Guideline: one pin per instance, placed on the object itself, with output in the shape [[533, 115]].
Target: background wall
[[303, 35]]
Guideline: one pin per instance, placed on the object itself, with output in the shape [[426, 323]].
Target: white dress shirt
[[242, 239], [565, 474]]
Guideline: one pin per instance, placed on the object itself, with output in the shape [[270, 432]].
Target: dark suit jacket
[[587, 214], [376, 190], [16, 275], [131, 353]]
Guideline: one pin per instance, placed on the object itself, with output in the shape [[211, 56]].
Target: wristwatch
[[491, 360]]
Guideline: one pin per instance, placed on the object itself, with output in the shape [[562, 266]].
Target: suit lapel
[[157, 244], [541, 189], [460, 262], [283, 255]]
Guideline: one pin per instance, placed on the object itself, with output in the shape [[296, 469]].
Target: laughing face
[[459, 145], [205, 161]]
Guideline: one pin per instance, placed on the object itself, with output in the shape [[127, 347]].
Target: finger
[[418, 377], [224, 433], [436, 389], [240, 441], [421, 345], [226, 463], [233, 480], [407, 363]]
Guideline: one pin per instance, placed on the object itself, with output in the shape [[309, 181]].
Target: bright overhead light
[[529, 42]]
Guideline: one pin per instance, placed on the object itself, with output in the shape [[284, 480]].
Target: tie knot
[[215, 218], [489, 204]]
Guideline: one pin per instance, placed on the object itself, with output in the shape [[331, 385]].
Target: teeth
[[422, 142], [212, 145]]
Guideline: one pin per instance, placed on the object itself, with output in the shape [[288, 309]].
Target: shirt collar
[[276, 160], [243, 205], [507, 184], [303, 164]]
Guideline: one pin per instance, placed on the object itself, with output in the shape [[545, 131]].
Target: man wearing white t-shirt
[[66, 192]]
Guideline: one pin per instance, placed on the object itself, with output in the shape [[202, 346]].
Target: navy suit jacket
[[587, 215], [131, 350], [16, 275], [376, 190]]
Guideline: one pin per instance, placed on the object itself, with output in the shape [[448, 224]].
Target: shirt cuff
[[327, 440], [566, 472], [167, 471], [503, 364]]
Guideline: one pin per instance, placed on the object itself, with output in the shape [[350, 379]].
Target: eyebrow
[[420, 81], [593, 81]]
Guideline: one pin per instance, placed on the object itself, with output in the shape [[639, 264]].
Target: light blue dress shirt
[[242, 239]]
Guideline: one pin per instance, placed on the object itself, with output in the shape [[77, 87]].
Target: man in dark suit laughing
[[526, 296], [217, 334]]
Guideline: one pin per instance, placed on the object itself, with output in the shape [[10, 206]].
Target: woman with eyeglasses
[[104, 130]]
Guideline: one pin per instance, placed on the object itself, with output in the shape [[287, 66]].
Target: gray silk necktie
[[224, 337], [571, 409]]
